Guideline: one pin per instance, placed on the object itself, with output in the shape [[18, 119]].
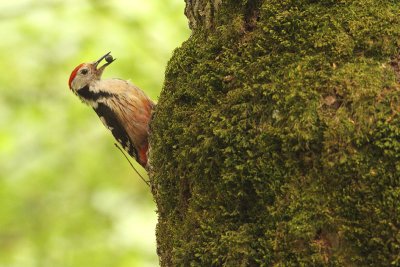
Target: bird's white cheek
[[76, 84]]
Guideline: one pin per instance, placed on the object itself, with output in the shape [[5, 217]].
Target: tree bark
[[276, 139]]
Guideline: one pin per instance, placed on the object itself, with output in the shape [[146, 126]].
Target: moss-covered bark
[[276, 140]]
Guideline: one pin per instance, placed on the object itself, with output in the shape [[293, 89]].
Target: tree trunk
[[276, 139]]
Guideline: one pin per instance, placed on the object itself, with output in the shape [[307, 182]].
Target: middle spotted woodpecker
[[122, 107]]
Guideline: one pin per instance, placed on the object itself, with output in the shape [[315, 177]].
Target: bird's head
[[85, 73]]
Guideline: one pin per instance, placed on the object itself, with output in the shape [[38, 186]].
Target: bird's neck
[[91, 93]]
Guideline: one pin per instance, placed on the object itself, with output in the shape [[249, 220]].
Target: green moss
[[279, 144]]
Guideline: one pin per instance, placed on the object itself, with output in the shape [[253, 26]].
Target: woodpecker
[[123, 108]]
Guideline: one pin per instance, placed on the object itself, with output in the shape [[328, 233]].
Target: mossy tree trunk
[[276, 140]]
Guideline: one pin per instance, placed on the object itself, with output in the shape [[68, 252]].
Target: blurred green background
[[67, 195]]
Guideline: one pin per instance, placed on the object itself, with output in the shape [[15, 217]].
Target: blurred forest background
[[67, 195]]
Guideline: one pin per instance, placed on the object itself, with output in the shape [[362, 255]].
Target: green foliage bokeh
[[67, 196]]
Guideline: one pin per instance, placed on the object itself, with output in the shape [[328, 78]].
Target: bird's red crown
[[73, 74]]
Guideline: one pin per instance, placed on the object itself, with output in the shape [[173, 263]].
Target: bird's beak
[[97, 62]]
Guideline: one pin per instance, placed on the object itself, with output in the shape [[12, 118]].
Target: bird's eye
[[84, 71]]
